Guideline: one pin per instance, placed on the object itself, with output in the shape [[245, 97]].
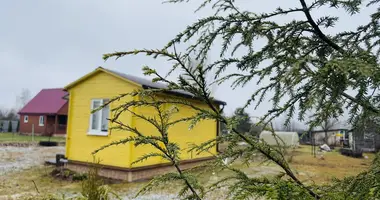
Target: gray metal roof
[[145, 83]]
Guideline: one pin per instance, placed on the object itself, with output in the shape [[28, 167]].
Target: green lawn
[[15, 137]]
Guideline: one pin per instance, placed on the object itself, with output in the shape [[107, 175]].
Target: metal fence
[[365, 141], [4, 126]]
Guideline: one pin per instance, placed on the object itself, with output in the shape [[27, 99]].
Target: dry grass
[[303, 163], [333, 165], [312, 169], [16, 137], [22, 182]]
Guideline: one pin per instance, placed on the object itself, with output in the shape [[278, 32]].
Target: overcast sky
[[48, 44]]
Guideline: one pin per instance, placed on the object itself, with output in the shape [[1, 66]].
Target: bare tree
[[12, 114], [291, 126], [327, 125], [3, 113], [8, 114], [23, 98]]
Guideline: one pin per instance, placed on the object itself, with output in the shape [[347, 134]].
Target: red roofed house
[[46, 113]]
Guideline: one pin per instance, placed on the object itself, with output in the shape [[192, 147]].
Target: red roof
[[47, 101]]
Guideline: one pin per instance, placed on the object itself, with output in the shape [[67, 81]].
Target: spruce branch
[[167, 150]]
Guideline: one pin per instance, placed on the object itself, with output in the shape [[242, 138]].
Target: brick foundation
[[135, 174]]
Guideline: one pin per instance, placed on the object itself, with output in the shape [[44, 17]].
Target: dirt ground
[[20, 158], [23, 173]]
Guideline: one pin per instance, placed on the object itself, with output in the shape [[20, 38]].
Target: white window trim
[[26, 118], [92, 131], [43, 121]]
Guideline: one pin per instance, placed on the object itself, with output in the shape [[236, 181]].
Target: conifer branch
[[316, 28], [168, 150]]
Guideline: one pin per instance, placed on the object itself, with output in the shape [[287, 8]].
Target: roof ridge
[[146, 83], [115, 71], [52, 88]]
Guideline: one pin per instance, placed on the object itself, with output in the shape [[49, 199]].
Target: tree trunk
[[326, 138]]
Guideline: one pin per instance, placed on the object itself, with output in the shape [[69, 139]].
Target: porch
[[56, 124]]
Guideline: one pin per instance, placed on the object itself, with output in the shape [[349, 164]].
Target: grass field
[[15, 137], [333, 165]]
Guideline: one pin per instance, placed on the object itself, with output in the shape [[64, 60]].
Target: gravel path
[[20, 158]]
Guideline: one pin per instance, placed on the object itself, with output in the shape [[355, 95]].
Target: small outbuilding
[[289, 139], [88, 131]]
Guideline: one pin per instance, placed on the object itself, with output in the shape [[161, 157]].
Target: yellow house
[[88, 131]]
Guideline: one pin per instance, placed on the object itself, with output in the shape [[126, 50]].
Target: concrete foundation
[[135, 174]]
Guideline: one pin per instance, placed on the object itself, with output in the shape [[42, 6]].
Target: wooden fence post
[[32, 132]]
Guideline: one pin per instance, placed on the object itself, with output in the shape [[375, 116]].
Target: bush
[[79, 177], [93, 187]]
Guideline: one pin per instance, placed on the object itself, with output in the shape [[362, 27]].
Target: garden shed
[[285, 138], [88, 131]]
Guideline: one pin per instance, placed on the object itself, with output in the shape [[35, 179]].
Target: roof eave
[[35, 113], [186, 96], [66, 97]]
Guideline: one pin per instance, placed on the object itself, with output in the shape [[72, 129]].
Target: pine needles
[[308, 71]]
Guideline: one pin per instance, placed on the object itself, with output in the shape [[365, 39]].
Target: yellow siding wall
[[179, 133], [80, 145]]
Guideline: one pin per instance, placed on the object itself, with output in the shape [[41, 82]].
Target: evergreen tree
[[298, 67], [10, 126], [243, 120], [18, 126], [223, 128]]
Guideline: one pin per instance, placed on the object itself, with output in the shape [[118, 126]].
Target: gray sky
[[48, 44]]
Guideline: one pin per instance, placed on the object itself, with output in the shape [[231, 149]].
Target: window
[[41, 121], [26, 118], [99, 119]]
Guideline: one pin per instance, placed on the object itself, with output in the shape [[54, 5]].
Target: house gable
[[95, 72], [63, 110], [80, 143]]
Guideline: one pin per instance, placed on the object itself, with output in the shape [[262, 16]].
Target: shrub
[[93, 187], [79, 177]]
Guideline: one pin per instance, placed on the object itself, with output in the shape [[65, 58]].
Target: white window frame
[[26, 118], [98, 131], [43, 121]]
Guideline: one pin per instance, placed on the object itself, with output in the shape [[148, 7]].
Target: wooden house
[[45, 114], [89, 131]]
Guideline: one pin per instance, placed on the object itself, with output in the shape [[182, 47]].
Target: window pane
[[95, 104], [95, 116], [105, 115], [95, 120]]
